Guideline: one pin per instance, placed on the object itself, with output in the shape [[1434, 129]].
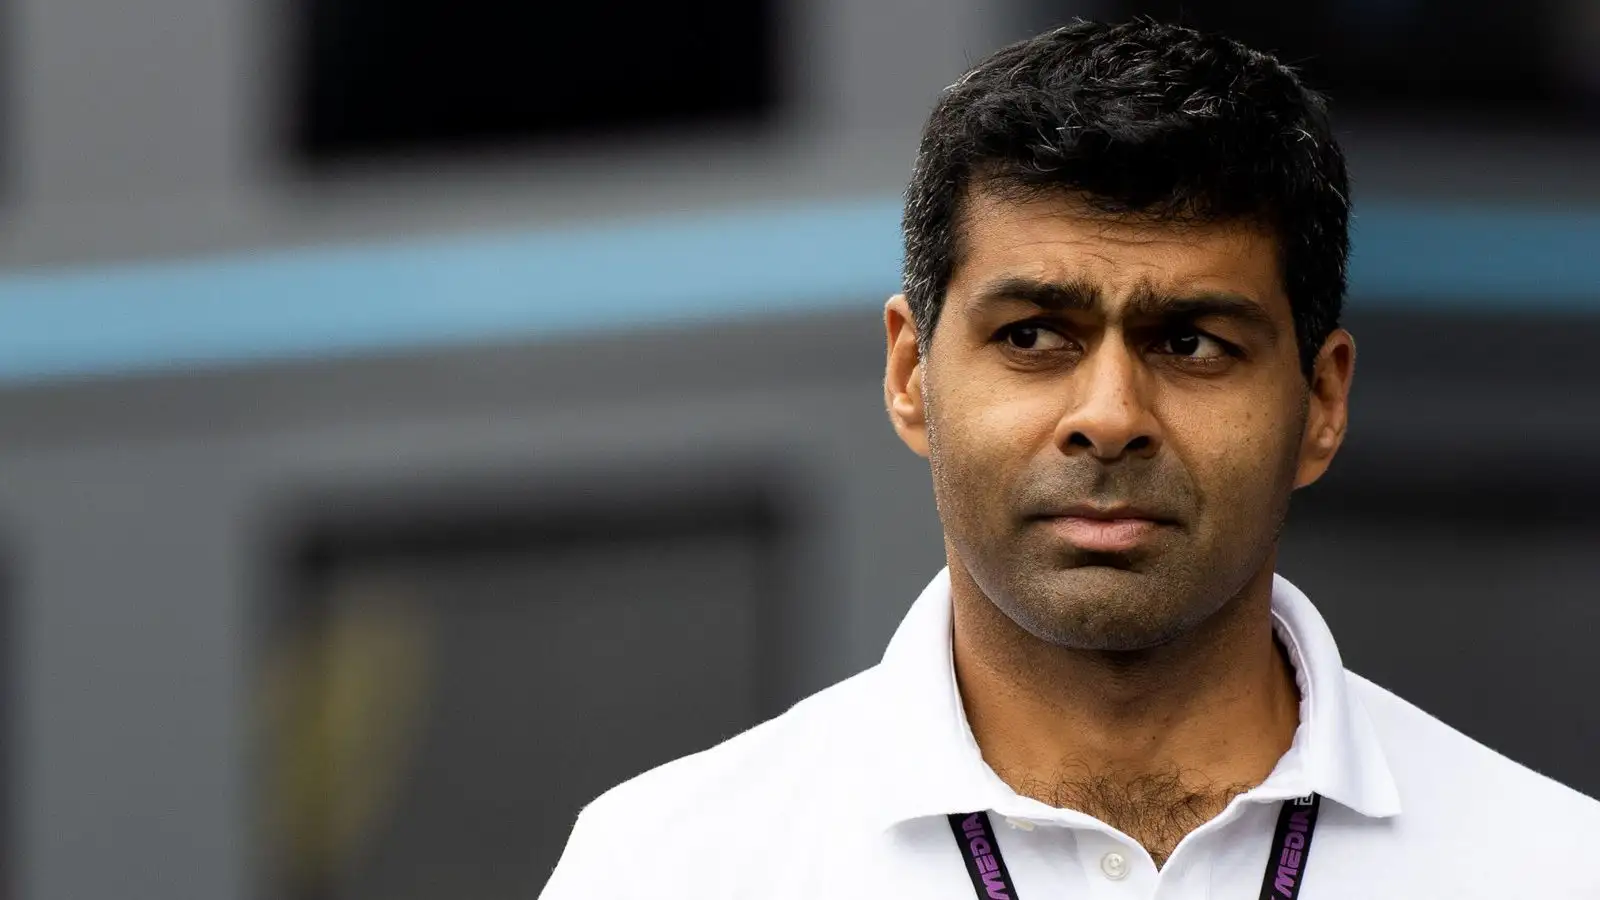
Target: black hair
[[1142, 119]]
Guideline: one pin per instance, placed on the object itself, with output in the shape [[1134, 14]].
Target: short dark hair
[[1141, 119]]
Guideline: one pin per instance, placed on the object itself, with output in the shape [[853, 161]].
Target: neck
[[1194, 721]]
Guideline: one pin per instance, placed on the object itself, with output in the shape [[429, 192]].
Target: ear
[[1328, 413], [902, 381]]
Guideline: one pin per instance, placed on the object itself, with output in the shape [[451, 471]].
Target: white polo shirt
[[848, 793]]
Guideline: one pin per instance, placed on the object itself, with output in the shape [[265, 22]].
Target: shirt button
[[1115, 865]]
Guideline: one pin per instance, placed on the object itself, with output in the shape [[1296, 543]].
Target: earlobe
[[1316, 450], [902, 382]]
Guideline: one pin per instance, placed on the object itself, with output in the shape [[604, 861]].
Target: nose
[[1108, 415]]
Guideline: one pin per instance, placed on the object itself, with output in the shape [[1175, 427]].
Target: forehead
[[1059, 239]]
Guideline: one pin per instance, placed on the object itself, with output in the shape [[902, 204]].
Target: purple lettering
[[1290, 857], [995, 886], [985, 856]]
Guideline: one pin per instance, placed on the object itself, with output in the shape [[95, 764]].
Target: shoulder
[[800, 760], [1444, 776], [783, 754]]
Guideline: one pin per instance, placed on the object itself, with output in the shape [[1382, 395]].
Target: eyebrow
[[1146, 303], [1056, 296]]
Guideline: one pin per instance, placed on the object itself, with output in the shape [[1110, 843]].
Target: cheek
[[980, 438], [1240, 454]]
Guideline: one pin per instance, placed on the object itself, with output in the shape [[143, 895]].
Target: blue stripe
[[332, 302], [1453, 258]]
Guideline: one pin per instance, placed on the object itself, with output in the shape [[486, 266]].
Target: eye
[[1193, 345], [1033, 337]]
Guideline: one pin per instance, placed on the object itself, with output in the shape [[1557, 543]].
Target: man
[[1119, 349]]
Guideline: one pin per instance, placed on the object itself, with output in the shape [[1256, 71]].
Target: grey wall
[[147, 517]]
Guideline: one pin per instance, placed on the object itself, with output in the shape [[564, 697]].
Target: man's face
[[1115, 417]]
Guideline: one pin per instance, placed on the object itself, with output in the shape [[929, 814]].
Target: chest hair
[[1155, 810]]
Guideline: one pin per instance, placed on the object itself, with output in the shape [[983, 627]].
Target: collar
[[932, 765]]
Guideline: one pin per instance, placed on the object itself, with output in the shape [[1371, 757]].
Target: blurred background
[[418, 416]]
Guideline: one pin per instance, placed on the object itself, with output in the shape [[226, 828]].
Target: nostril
[[1139, 444]]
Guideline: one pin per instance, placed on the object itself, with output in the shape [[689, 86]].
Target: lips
[[1106, 513], [1111, 529]]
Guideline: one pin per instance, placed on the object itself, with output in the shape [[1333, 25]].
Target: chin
[[1094, 607]]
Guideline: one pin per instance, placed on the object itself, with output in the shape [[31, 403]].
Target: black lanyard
[[1286, 866]]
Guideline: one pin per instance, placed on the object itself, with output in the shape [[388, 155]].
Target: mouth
[[1115, 529]]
